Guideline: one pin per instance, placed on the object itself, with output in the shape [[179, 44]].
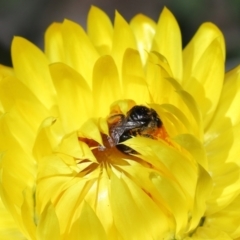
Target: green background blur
[[30, 18]]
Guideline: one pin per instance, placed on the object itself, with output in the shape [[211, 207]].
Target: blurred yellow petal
[[100, 30], [54, 43], [5, 71]]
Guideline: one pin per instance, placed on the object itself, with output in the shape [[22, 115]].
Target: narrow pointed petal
[[167, 42], [172, 189], [195, 147], [48, 226], [134, 85], [103, 204], [202, 193], [227, 220], [124, 203], [206, 34], [204, 70], [44, 141], [106, 85], [100, 30], [88, 226], [73, 95], [144, 30], [31, 67], [157, 71], [123, 38], [227, 113], [54, 43], [29, 218], [8, 228], [14, 94], [223, 152], [79, 51]]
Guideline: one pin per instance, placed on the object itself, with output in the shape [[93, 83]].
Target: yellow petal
[[128, 200], [48, 226], [100, 30], [157, 70], [205, 233], [167, 42], [183, 170], [226, 220], [227, 113], [134, 85], [185, 125], [144, 30], [195, 147], [223, 155], [45, 141], [87, 226], [5, 71], [103, 205], [8, 228], [79, 52], [90, 130], [204, 69], [73, 95], [106, 85], [202, 193], [31, 67], [205, 35], [14, 93], [54, 43], [171, 191], [59, 183], [123, 38], [29, 218], [193, 112]]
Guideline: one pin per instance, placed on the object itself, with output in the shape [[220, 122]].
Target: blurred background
[[30, 18]]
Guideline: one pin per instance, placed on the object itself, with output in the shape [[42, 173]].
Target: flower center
[[107, 154]]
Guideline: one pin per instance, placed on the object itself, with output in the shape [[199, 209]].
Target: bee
[[139, 121]]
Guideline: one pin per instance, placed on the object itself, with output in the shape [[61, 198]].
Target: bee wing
[[120, 128]]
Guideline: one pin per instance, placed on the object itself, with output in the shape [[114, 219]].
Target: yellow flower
[[65, 170]]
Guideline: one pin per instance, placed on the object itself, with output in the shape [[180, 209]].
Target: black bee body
[[139, 121]]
